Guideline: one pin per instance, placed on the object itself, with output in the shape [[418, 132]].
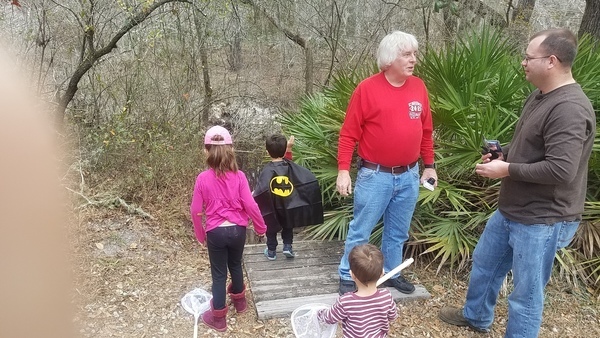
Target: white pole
[[196, 326], [395, 271]]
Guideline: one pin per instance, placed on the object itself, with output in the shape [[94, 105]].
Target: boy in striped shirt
[[367, 312]]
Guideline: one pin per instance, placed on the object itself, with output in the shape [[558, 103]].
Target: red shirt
[[392, 125]]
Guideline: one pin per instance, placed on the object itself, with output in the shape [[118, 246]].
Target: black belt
[[399, 169]]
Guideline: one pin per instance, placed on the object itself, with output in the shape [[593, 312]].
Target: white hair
[[392, 45]]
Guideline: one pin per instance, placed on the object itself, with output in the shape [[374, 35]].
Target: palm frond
[[477, 89]]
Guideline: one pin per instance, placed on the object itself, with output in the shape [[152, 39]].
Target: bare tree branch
[[93, 54], [69, 10], [296, 38]]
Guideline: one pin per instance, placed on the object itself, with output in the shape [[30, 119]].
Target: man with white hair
[[388, 116]]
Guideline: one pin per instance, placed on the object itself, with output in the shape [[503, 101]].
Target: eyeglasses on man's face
[[529, 58]]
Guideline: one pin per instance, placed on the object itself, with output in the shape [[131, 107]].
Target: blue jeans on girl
[[225, 251]]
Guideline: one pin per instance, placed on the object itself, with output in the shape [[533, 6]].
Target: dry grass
[[133, 272]]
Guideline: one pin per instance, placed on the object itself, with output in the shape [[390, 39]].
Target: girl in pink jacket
[[221, 206]]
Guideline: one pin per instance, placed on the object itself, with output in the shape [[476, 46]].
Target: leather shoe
[[346, 286], [454, 316], [401, 284]]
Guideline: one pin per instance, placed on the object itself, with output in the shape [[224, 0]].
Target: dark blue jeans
[[225, 251], [287, 235]]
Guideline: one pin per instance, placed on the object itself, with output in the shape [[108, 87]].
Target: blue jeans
[[378, 194], [528, 250]]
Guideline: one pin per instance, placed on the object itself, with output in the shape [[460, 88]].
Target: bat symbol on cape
[[281, 186]]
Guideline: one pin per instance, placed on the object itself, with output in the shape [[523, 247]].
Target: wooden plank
[[282, 285], [301, 256], [420, 293], [291, 290], [319, 273], [313, 282], [300, 259], [290, 263], [305, 248], [284, 307], [308, 253]]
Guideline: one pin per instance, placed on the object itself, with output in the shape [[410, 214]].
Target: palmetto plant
[[316, 128], [477, 89]]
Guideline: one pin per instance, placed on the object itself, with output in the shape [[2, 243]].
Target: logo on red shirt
[[415, 108]]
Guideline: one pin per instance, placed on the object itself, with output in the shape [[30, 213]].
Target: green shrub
[[477, 89], [142, 163]]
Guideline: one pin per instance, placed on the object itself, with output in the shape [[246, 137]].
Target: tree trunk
[[208, 92], [523, 11], [308, 71], [482, 10], [450, 26], [590, 23], [91, 54], [296, 38], [234, 57]]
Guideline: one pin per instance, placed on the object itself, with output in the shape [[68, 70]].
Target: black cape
[[288, 195]]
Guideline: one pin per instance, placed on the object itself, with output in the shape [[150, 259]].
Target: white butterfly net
[[196, 302], [306, 325]]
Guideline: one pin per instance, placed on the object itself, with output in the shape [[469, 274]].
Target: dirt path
[[133, 273]]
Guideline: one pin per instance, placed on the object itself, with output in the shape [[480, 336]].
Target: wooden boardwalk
[[282, 285]]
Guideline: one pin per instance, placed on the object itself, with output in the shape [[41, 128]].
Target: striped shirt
[[362, 317]]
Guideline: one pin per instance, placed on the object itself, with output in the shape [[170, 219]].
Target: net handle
[[397, 269]]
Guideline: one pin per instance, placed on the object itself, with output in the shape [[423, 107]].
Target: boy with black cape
[[288, 196]]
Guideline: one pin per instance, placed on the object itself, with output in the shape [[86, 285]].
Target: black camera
[[491, 147]]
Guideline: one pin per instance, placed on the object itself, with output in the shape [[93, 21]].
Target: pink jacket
[[223, 199]]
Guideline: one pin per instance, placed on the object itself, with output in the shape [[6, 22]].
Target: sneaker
[[454, 316], [401, 284], [346, 286], [270, 254], [288, 252]]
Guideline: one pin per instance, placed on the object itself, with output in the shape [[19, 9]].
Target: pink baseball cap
[[217, 130]]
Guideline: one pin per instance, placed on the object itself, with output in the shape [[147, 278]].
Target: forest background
[[133, 85]]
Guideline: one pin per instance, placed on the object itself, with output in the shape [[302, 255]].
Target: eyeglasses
[[527, 58]]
